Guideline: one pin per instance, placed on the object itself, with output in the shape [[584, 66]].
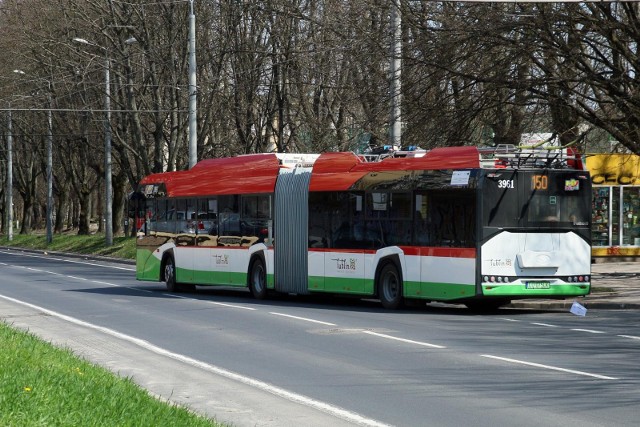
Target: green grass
[[41, 385], [94, 244]]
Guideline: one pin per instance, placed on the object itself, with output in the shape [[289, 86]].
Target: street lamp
[[49, 219], [108, 211]]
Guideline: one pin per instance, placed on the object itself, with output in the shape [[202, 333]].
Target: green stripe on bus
[[520, 290], [147, 266], [424, 290], [341, 285], [438, 291], [210, 278]]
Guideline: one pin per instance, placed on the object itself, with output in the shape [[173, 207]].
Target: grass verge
[[41, 385], [94, 244]]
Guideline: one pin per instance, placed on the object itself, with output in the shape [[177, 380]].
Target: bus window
[[207, 223], [144, 216], [561, 200], [421, 235], [346, 218], [453, 219], [543, 208], [319, 220], [228, 216], [388, 219], [151, 212], [400, 206], [254, 221]]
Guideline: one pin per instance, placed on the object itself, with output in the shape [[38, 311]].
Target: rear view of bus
[[535, 222]]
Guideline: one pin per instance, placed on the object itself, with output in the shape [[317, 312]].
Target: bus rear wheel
[[390, 287], [258, 279]]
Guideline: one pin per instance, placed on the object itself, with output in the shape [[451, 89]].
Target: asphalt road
[[303, 361]]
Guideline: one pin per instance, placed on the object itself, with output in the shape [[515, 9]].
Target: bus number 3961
[[505, 183]]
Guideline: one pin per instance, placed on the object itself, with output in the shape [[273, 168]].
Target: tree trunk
[[61, 211], [85, 208], [119, 201]]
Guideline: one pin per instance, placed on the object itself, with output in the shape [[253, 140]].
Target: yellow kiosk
[[616, 205]]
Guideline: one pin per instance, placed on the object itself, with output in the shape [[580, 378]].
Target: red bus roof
[[257, 173], [339, 171]]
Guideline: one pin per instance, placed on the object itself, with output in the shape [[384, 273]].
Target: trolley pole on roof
[[395, 123], [193, 125]]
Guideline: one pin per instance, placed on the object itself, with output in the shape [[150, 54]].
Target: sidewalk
[[614, 285]]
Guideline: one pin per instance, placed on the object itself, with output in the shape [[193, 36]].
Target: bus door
[[345, 263], [208, 260], [336, 242], [319, 236], [186, 251]]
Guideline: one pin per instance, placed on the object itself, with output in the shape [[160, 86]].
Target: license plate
[[537, 285]]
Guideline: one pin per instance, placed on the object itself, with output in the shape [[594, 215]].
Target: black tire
[[170, 275], [258, 279], [390, 287]]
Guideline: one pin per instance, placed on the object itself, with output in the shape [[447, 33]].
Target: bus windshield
[[536, 199]]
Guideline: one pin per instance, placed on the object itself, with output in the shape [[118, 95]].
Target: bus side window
[[453, 219], [421, 235], [228, 216], [319, 220]]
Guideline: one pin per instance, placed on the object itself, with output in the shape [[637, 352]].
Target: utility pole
[[49, 219], [193, 125], [9, 177], [108, 208], [395, 122]]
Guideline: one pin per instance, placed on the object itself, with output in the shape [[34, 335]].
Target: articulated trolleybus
[[462, 225]]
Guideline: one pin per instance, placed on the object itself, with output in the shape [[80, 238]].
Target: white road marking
[[591, 331], [302, 318], [229, 305], [553, 368], [545, 324], [80, 278], [260, 385], [509, 320], [211, 302], [425, 344], [105, 283], [630, 336], [68, 260]]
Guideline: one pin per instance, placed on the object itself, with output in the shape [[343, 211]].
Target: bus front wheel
[[170, 274], [390, 287], [258, 279]]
